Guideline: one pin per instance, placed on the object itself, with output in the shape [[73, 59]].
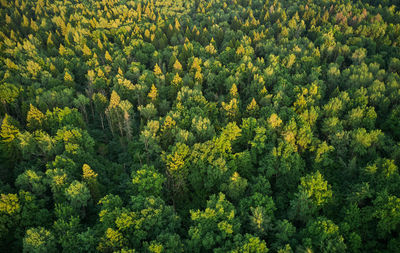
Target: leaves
[[39, 240], [226, 126], [78, 194]]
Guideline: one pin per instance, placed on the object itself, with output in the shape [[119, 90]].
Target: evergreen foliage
[[199, 126]]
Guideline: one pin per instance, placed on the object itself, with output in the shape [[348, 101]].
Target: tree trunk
[[102, 121]]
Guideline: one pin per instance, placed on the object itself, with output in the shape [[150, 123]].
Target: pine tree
[[153, 93], [126, 108], [231, 109], [100, 104], [177, 66], [90, 177], [86, 51], [108, 57], [157, 70], [274, 121], [177, 81], [112, 112], [50, 40], [252, 108], [99, 44], [35, 118], [114, 100], [9, 133], [69, 80], [233, 91], [62, 50]]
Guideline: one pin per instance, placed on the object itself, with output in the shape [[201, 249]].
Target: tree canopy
[[199, 126]]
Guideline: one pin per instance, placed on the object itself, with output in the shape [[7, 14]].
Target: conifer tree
[[35, 118]]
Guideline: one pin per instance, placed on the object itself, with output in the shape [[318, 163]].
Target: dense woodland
[[200, 126]]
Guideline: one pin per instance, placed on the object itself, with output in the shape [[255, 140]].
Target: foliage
[[199, 126]]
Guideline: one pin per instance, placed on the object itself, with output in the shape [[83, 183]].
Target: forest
[[200, 126]]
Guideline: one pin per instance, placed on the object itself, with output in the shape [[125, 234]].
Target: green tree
[[177, 169], [90, 177], [316, 188], [78, 194], [8, 95], [81, 102], [215, 226], [31, 181], [9, 133], [10, 207], [387, 212], [258, 212], [323, 235], [100, 104], [39, 240], [249, 243], [147, 181]]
